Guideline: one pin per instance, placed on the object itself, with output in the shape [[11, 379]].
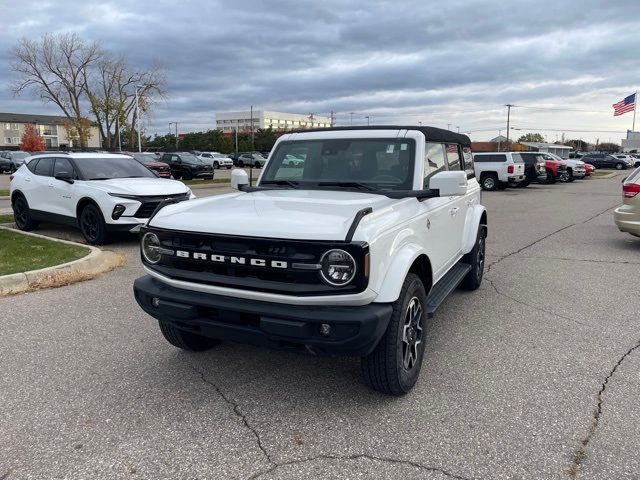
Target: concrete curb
[[5, 198], [96, 262], [608, 175]]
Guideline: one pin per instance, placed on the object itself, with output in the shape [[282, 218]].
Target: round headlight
[[151, 247], [338, 267]]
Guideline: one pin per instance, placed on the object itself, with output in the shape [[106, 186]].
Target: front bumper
[[627, 219], [355, 330]]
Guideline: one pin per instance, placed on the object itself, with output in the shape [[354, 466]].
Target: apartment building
[[230, 121], [51, 127]]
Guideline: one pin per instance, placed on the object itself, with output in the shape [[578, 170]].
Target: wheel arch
[[476, 216], [15, 194], [83, 202], [411, 259]]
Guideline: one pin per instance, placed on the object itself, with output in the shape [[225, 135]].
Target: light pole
[[176, 124], [458, 127], [351, 118], [448, 126], [138, 118], [368, 119]]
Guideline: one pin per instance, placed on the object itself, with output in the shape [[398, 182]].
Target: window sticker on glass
[[390, 148], [403, 146]]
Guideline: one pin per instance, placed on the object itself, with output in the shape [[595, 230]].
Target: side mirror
[[449, 184], [63, 176], [239, 178]]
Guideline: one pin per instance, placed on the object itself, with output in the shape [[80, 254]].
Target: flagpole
[[635, 107]]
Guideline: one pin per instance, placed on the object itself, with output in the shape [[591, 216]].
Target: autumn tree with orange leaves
[[31, 140]]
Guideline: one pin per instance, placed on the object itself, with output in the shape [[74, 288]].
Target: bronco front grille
[[293, 279]]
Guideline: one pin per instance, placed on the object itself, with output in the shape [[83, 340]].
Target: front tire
[[22, 215], [619, 166], [187, 175], [257, 165], [188, 341], [93, 226], [240, 164], [475, 258], [216, 165], [489, 182], [394, 365]]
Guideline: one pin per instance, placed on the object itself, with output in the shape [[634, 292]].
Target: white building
[[632, 142], [230, 121], [50, 127], [560, 150]]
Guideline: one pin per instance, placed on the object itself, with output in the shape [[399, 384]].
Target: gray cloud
[[406, 61]]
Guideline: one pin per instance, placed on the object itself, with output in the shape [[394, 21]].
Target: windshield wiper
[[347, 184], [288, 183]]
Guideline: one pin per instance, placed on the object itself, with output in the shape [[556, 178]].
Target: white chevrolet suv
[[98, 192], [346, 253], [498, 169]]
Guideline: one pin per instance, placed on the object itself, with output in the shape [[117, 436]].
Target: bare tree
[[55, 68], [111, 87]]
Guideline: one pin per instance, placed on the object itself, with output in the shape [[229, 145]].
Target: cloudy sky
[[454, 62]]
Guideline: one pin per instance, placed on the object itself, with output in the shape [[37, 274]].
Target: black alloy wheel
[[22, 215], [92, 225]]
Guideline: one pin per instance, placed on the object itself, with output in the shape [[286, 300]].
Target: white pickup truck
[[498, 169], [346, 253]]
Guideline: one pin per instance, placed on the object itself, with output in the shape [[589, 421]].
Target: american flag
[[624, 106]]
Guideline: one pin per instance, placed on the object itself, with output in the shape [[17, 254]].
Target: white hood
[[292, 214], [140, 186]]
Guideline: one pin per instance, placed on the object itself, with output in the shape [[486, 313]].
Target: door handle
[[454, 211]]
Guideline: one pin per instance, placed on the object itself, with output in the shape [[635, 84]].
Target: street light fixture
[[368, 118]]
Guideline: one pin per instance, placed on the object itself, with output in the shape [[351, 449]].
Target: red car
[[150, 161], [555, 169], [589, 169]]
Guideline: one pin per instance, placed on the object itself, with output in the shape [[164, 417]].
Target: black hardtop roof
[[432, 134]]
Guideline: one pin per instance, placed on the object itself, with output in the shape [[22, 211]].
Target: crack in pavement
[[581, 453], [359, 456], [587, 260], [535, 307], [239, 414], [274, 465], [502, 257]]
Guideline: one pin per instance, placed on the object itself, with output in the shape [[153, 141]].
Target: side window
[[467, 157], [63, 165], [453, 156], [32, 165], [175, 158], [44, 167], [490, 158], [434, 161]]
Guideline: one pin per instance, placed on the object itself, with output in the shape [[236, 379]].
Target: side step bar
[[445, 286]]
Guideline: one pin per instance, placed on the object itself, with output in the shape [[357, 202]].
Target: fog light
[[325, 329], [155, 301], [118, 210]]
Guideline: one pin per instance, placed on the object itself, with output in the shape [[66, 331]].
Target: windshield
[[20, 155], [219, 155], [144, 158], [189, 158], [101, 168], [351, 163]]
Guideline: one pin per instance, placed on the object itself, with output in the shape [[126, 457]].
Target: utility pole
[[332, 116], [176, 124], [448, 126], [236, 139], [458, 127], [252, 143], [351, 118], [508, 118], [311, 117], [138, 118]]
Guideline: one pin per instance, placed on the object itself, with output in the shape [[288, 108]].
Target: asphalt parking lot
[[534, 375]]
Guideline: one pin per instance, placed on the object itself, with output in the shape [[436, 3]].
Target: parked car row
[[497, 170]]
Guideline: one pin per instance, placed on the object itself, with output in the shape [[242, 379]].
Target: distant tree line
[[89, 84], [215, 140]]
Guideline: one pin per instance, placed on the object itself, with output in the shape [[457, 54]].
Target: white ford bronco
[[346, 252]]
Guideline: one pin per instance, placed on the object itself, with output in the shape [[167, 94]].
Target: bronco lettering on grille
[[212, 257]]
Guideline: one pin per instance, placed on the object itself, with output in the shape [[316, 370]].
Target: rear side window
[[32, 165], [63, 165], [453, 156], [467, 157], [489, 158], [44, 167], [434, 161]]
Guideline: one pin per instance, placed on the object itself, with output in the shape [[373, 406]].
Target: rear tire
[[93, 226], [489, 182], [475, 258], [22, 215], [240, 164], [523, 184], [551, 179], [619, 166], [257, 165], [188, 341], [394, 365]]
